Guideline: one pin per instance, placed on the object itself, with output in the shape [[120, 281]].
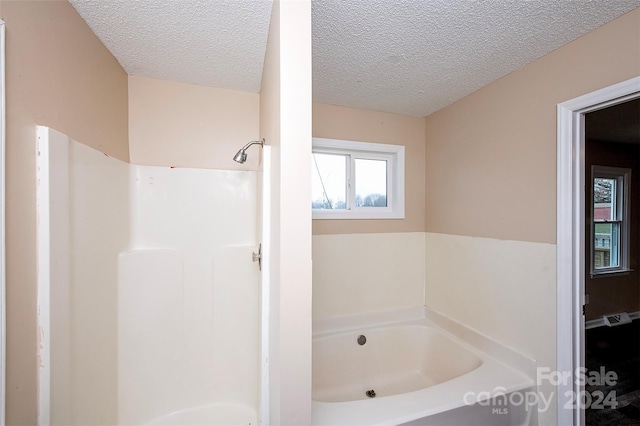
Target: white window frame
[[623, 178], [393, 154]]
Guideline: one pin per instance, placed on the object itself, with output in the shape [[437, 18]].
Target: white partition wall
[[285, 123], [148, 297]]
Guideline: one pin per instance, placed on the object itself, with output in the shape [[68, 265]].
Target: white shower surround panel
[[83, 223], [202, 331], [148, 300]]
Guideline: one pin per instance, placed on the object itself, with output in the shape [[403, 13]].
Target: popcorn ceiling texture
[[218, 43], [417, 56], [405, 56]]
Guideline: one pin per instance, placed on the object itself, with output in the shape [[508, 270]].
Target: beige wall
[[494, 149], [491, 172], [58, 75], [186, 125], [335, 122], [491, 157]]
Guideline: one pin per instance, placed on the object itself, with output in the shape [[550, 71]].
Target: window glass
[[604, 191], [606, 245], [610, 227], [606, 233], [357, 180], [328, 183], [371, 183]]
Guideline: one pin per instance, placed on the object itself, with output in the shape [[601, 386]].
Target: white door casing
[[571, 238], [3, 341]]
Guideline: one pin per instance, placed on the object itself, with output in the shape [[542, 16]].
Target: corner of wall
[[81, 91]]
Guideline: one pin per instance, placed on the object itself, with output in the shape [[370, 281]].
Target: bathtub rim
[[231, 406]]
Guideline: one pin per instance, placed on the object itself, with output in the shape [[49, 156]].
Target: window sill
[[608, 274], [357, 215]]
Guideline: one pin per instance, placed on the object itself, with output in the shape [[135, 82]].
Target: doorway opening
[[612, 264], [573, 240]]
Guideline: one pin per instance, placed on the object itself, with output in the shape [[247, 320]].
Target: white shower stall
[[149, 302]]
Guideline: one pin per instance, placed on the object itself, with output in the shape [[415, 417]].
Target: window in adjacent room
[[610, 228], [357, 180]]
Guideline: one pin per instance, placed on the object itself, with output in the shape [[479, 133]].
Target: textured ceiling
[[219, 43], [417, 56], [405, 56]]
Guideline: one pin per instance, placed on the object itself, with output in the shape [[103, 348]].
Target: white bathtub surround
[[420, 364], [356, 273], [502, 289], [155, 318]]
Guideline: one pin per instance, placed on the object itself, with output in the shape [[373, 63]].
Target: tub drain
[[371, 393]]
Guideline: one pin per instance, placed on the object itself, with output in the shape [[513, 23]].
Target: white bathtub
[[423, 368], [224, 414]]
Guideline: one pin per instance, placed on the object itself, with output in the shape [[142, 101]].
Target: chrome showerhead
[[241, 155]]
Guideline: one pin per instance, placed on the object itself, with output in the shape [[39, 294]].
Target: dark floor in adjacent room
[[618, 350]]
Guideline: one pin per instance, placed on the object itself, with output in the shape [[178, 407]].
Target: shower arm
[[261, 143]]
